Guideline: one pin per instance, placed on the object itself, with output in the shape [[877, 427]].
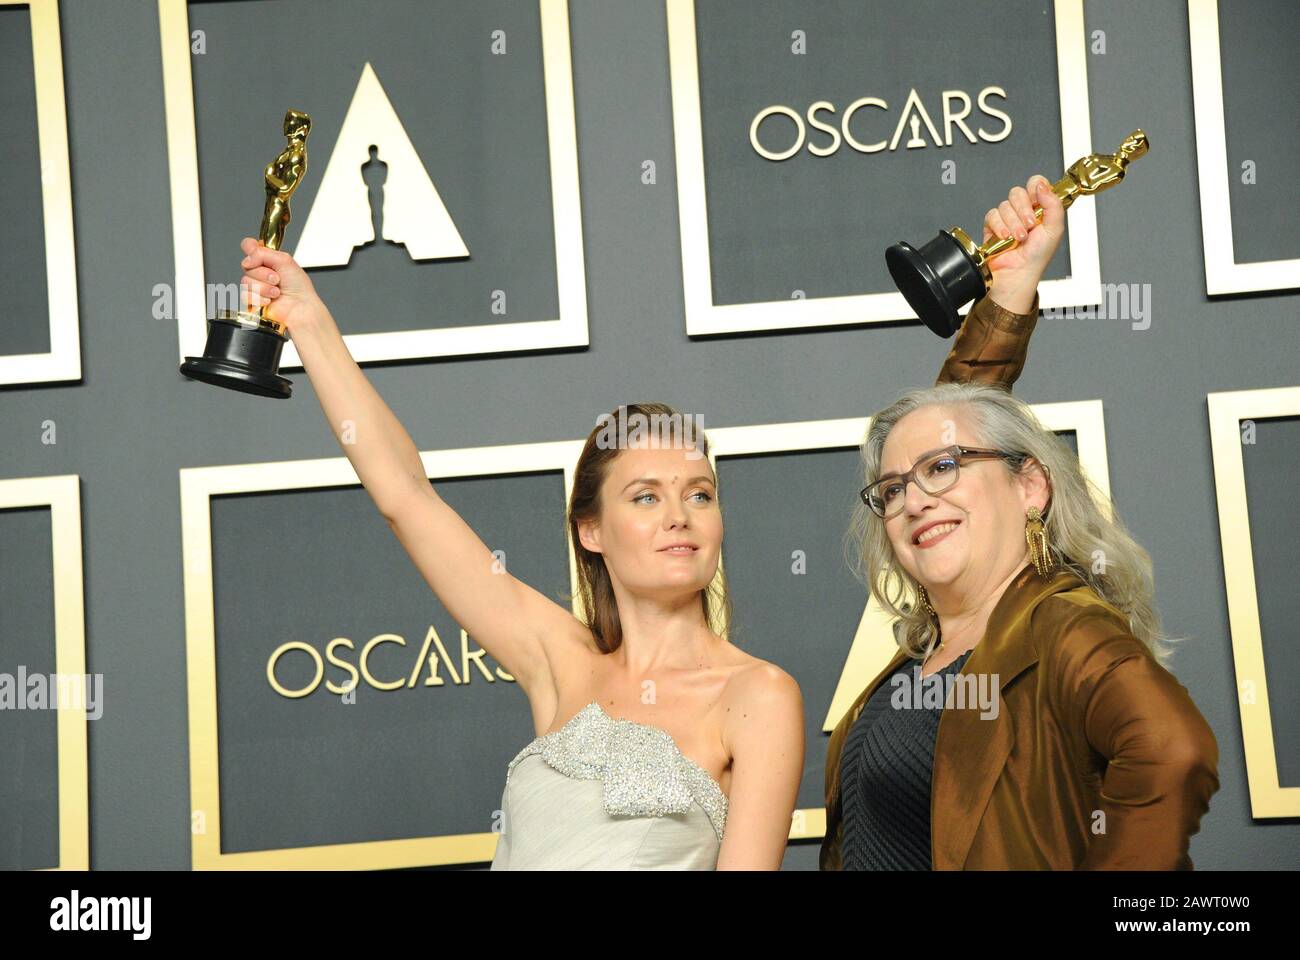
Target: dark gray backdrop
[[133, 421]]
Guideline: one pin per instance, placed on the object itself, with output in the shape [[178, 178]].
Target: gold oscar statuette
[[243, 348], [951, 270]]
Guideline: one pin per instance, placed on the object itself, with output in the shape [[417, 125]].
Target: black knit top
[[885, 773]]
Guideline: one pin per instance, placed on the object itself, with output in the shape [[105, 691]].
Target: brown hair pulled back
[[595, 588]]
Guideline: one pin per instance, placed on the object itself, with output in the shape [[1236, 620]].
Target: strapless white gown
[[605, 793]]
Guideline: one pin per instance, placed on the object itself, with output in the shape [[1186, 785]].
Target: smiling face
[[983, 513], [660, 529]]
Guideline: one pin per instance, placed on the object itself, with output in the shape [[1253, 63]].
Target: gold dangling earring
[[925, 601], [1037, 540]]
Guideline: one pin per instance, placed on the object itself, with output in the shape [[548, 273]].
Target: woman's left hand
[[1016, 272]]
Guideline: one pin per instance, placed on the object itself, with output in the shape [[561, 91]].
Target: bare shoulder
[[759, 693]]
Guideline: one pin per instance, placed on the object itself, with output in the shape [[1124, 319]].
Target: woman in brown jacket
[[1054, 737]]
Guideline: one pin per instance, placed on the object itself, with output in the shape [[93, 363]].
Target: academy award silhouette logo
[[374, 176]]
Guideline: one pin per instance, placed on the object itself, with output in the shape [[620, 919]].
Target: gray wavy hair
[[1079, 534]]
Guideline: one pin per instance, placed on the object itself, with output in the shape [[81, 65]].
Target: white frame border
[[63, 361], [1268, 798], [703, 317], [197, 487], [570, 330], [1222, 272], [62, 494]]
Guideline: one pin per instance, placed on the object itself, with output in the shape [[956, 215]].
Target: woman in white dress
[[660, 745]]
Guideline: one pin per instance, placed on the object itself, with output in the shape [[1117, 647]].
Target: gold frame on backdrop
[[873, 645], [62, 494], [63, 361], [871, 649], [569, 330], [1268, 798], [704, 317], [197, 487], [1223, 274]]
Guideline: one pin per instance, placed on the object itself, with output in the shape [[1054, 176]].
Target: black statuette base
[[936, 280], [239, 357]]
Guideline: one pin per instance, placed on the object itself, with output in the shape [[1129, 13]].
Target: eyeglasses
[[934, 472]]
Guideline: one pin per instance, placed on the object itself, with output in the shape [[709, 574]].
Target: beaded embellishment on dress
[[643, 770]]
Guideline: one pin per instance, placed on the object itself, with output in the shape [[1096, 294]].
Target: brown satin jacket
[[1097, 757]]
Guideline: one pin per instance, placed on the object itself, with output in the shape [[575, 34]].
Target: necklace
[[930, 656]]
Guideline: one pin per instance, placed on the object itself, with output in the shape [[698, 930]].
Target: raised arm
[[991, 346], [993, 340], [517, 625]]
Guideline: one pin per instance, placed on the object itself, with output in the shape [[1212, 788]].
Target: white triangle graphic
[[413, 215]]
